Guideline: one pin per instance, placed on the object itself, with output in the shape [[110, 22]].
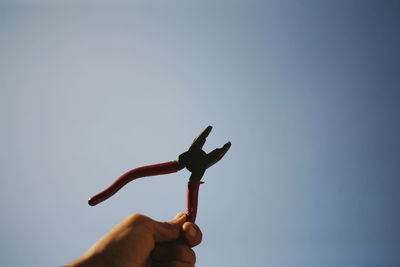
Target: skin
[[140, 241]]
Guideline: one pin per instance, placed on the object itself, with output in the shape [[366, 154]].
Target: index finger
[[191, 234]]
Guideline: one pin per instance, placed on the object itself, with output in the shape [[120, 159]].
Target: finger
[[168, 231], [192, 234], [172, 264], [174, 251]]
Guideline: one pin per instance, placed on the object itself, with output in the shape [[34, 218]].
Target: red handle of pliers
[[192, 198], [150, 170]]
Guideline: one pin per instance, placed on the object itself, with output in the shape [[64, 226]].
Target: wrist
[[86, 261]]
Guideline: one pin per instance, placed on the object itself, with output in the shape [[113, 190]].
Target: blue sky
[[307, 92]]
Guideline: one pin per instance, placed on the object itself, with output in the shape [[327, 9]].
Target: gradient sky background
[[306, 91]]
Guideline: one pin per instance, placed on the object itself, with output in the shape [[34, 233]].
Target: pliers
[[195, 160]]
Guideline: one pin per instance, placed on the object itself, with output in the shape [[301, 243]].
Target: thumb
[[168, 231]]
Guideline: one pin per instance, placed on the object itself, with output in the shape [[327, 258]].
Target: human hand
[[140, 241]]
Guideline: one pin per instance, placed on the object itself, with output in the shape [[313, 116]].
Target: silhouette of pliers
[[195, 160]]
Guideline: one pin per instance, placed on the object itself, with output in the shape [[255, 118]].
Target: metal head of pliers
[[196, 160]]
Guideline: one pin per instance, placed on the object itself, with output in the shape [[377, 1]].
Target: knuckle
[[137, 218], [134, 217], [192, 256], [186, 254]]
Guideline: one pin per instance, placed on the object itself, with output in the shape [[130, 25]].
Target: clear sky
[[306, 91]]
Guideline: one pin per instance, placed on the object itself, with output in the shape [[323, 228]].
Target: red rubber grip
[[150, 170], [192, 198]]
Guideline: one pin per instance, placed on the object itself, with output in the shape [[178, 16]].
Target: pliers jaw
[[196, 160]]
